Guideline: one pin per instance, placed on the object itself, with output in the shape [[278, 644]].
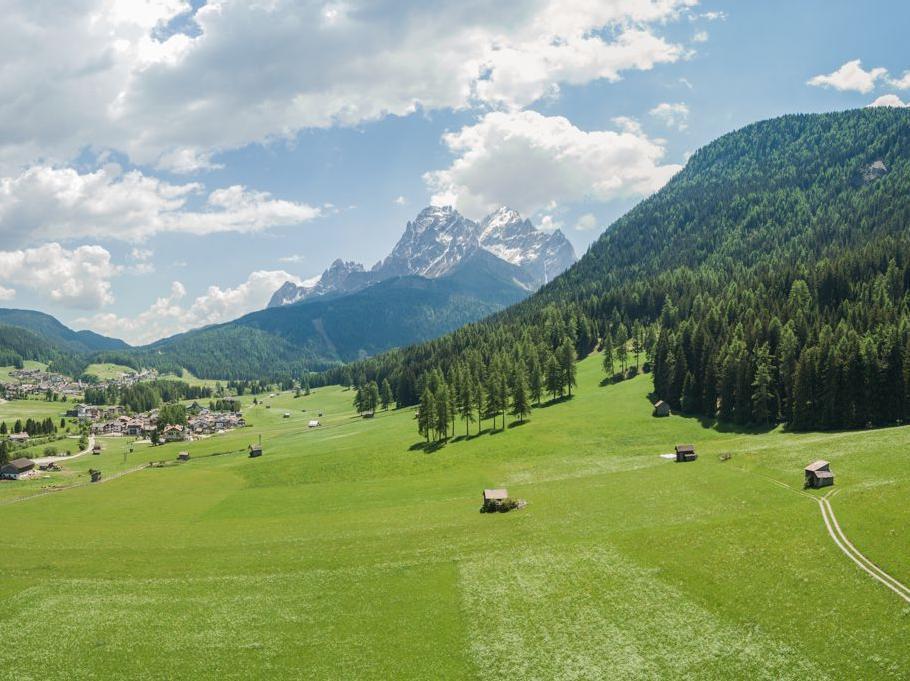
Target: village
[[26, 383], [200, 422]]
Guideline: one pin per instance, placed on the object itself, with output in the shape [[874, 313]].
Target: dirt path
[[844, 544], [60, 459]]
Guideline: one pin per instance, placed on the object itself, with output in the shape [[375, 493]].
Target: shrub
[[50, 451]]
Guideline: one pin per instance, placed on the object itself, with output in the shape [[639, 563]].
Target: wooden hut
[[255, 450], [661, 408], [96, 449], [183, 456], [685, 453], [818, 474]]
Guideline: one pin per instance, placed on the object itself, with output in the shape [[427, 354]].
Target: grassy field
[[38, 408], [349, 551], [108, 371]]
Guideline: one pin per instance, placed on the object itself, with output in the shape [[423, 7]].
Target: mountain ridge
[[434, 243]]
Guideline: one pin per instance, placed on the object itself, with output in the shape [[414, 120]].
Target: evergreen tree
[[566, 358], [426, 414], [385, 394], [521, 404]]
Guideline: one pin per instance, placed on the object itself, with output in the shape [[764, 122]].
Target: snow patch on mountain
[[435, 242]]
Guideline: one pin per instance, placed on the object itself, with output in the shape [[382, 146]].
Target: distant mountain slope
[[435, 242], [55, 333], [768, 281], [317, 333]]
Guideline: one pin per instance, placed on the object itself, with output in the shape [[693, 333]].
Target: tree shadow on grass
[[516, 424], [427, 447], [554, 401]]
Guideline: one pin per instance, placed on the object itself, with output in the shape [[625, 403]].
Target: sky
[[167, 164]]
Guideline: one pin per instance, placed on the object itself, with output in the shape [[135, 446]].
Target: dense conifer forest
[[767, 282]]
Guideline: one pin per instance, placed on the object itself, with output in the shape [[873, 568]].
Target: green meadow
[[351, 551], [37, 408], [107, 371]]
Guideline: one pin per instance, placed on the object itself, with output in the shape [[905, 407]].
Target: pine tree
[[385, 394], [763, 409], [566, 357], [426, 414], [535, 379], [555, 385], [609, 356], [521, 405]]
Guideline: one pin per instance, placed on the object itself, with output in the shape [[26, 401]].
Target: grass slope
[[350, 552], [105, 371]]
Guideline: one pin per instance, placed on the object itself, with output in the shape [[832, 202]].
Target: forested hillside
[[768, 281]]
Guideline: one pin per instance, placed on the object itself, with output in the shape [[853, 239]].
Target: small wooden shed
[[685, 453], [818, 474], [661, 408], [495, 495], [313, 424], [255, 450], [96, 449], [183, 456]]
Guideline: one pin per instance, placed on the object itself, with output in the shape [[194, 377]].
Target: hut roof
[[824, 474], [20, 464], [684, 448], [496, 494], [815, 466]]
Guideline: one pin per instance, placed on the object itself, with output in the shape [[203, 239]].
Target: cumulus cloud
[[44, 203], [700, 37], [7, 293], [889, 100], [902, 83], [850, 77], [172, 313], [112, 74], [586, 222], [524, 159], [400, 201], [79, 278], [672, 115]]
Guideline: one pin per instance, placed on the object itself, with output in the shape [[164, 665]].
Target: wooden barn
[[16, 468], [685, 453], [818, 474], [661, 408], [494, 496]]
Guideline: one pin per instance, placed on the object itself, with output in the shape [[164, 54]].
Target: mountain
[[435, 242], [322, 331], [767, 282], [58, 335]]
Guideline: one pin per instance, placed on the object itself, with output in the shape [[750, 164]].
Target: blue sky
[[166, 165]]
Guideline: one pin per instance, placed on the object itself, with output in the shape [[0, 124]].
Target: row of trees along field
[[769, 281]]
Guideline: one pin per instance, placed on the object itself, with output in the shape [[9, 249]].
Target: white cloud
[[95, 74], [700, 37], [141, 254], [171, 313], [400, 201], [889, 100], [672, 115], [710, 16], [525, 160], [902, 83], [850, 76], [586, 222], [295, 258], [7, 293], [79, 278], [44, 203]]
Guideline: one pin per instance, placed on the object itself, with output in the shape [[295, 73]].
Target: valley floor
[[348, 551]]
